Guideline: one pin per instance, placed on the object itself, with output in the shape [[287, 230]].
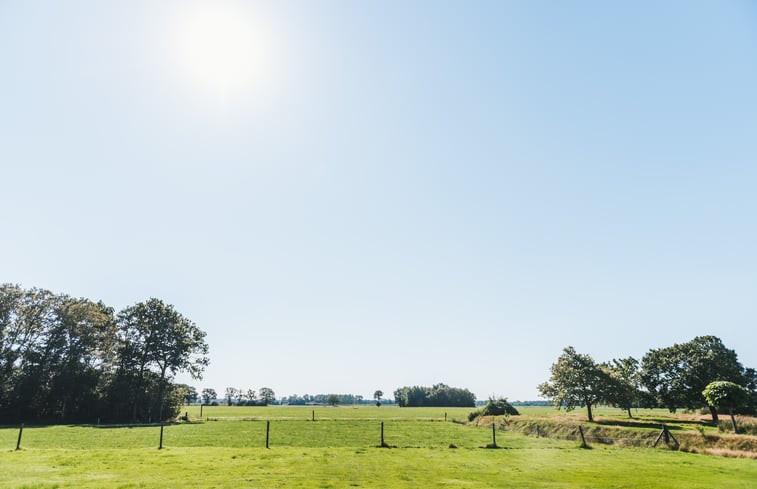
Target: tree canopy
[[724, 394], [436, 396], [576, 380], [676, 376], [72, 359]]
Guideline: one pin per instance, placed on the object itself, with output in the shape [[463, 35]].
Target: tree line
[[332, 399], [673, 377], [437, 395], [75, 360]]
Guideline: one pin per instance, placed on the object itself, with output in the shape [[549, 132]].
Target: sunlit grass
[[340, 451]]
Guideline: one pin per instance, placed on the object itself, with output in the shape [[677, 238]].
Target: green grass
[[340, 451], [326, 412]]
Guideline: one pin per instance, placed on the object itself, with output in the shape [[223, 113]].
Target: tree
[[333, 399], [208, 395], [231, 394], [377, 395], [241, 395], [250, 396], [724, 394], [191, 395], [575, 381], [163, 340], [188, 393], [622, 389], [266, 395], [676, 376]]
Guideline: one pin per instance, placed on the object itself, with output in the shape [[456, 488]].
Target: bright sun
[[221, 51]]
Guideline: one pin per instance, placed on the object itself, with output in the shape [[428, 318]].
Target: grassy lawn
[[327, 412], [340, 452]]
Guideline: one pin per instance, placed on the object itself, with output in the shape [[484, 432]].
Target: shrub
[[499, 407], [494, 407], [474, 414]]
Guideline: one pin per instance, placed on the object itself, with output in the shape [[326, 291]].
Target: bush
[[494, 407], [475, 414], [499, 407]]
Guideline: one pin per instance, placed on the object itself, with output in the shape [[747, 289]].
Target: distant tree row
[[332, 399], [248, 397], [435, 396], [72, 359], [673, 377]]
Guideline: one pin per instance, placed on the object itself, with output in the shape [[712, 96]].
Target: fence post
[[583, 440], [382, 434], [267, 430], [160, 447], [313, 418], [20, 431], [200, 410], [445, 416], [494, 436]]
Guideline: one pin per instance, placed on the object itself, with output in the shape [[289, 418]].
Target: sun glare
[[221, 51]]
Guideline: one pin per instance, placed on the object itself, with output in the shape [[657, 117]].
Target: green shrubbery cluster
[[494, 407], [439, 395]]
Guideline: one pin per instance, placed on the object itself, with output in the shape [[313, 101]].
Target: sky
[[352, 196]]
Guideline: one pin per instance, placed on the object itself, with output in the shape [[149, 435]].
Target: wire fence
[[329, 432]]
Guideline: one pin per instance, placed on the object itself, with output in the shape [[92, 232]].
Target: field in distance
[[340, 451]]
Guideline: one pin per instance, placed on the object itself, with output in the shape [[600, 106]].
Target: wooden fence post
[[160, 446], [382, 434], [666, 435], [494, 436], [200, 410], [583, 440], [20, 431], [313, 415], [267, 431]]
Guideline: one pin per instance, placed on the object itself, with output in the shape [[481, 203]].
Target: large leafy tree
[[208, 395], [266, 395], [576, 380], [159, 340], [724, 394], [623, 383], [676, 376]]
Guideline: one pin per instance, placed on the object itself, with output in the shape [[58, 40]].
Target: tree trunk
[[733, 420], [714, 413], [628, 408], [588, 408]]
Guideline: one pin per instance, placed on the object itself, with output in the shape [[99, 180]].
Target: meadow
[[340, 449]]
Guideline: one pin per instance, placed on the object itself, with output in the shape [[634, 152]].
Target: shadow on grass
[[671, 423]]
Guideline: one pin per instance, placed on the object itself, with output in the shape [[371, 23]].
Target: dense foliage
[[494, 407], [307, 399], [576, 380], [435, 396], [72, 359], [673, 377]]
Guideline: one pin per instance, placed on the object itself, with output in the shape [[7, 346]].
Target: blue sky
[[350, 196]]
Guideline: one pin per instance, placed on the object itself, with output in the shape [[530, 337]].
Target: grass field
[[340, 450]]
